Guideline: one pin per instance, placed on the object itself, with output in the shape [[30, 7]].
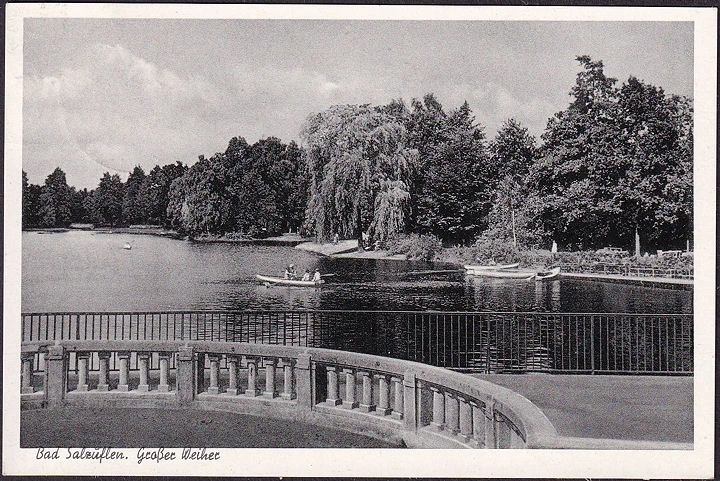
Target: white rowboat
[[288, 282]]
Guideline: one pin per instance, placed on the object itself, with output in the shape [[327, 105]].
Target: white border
[[437, 463]]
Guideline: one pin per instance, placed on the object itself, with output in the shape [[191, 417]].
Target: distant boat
[[288, 282], [547, 275], [127, 246]]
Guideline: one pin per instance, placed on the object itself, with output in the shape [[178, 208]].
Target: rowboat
[[497, 267], [288, 282], [503, 274], [547, 275]]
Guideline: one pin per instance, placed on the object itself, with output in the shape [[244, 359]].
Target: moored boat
[[547, 275], [497, 267], [503, 274], [288, 282]]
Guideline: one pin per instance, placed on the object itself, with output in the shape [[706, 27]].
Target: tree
[[513, 215], [31, 203], [131, 210], [55, 201], [617, 161], [355, 153], [152, 197], [105, 203], [453, 183]]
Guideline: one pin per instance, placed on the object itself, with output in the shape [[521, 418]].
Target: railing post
[[384, 398], [333, 387], [398, 407], [438, 418], [270, 391], [303, 381], [163, 386], [466, 420], [27, 372], [367, 398], [83, 370], [124, 358], [349, 402], [104, 370], [410, 394], [287, 379], [186, 366], [232, 362], [144, 366], [55, 375], [214, 374], [252, 389], [452, 413]]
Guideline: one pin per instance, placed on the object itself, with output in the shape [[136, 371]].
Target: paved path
[[649, 408], [116, 428]]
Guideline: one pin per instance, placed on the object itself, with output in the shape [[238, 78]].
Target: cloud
[[113, 111], [493, 104]]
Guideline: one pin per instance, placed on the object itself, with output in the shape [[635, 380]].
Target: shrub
[[487, 249], [415, 247]]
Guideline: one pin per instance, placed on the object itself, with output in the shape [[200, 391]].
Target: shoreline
[[348, 249]]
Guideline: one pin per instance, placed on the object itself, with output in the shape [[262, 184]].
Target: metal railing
[[627, 270], [466, 341]]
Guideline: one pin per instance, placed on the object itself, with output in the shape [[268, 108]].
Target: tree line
[[616, 161]]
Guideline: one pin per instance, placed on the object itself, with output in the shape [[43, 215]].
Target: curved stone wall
[[425, 406]]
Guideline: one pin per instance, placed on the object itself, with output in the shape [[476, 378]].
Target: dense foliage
[[616, 162]]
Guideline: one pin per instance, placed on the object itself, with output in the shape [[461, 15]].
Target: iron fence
[[467, 341], [628, 270]]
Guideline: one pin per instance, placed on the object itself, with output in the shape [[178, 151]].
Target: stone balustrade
[[425, 406]]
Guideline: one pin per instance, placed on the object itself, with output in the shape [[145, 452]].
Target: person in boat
[[317, 277], [306, 276], [290, 272]]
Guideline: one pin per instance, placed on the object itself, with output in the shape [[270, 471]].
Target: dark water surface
[[87, 271]]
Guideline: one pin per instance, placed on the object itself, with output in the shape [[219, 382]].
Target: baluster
[[490, 426], [398, 390], [124, 358], [270, 391], [333, 387], [438, 418], [466, 420], [252, 389], [287, 379], [478, 425], [367, 399], [452, 413], [144, 366], [104, 370], [27, 372], [214, 374], [384, 401], [232, 362], [349, 402], [83, 370], [164, 361]]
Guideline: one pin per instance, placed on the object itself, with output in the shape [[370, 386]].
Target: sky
[[105, 95]]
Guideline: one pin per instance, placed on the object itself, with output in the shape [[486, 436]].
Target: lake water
[[89, 271]]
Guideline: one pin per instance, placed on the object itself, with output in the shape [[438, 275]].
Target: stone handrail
[[424, 406]]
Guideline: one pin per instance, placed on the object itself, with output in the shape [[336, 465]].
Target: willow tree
[[359, 166]]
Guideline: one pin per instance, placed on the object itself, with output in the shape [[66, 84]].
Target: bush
[[488, 249], [415, 247]]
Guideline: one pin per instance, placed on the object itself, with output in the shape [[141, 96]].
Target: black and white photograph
[[282, 240]]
